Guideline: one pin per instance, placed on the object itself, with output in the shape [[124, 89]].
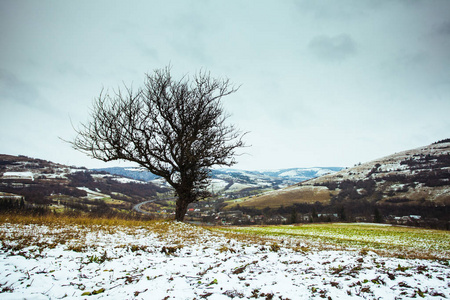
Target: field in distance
[[400, 241]]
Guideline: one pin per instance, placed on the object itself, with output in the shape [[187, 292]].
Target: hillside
[[417, 176], [44, 184], [410, 182]]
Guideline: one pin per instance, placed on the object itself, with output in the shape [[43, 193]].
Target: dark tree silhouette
[[174, 128]]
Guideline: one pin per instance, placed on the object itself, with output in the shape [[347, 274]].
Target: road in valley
[[137, 207]]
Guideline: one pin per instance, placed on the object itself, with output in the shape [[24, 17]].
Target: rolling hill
[[415, 181], [47, 184]]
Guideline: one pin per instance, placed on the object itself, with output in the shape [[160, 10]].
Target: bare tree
[[174, 128]]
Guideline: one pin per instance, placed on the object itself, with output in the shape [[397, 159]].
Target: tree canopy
[[176, 129]]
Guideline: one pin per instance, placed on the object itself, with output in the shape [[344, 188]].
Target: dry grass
[[287, 197], [61, 220]]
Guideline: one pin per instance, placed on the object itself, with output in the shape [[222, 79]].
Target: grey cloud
[[340, 10], [333, 49], [191, 38], [444, 29], [67, 68], [146, 51], [409, 60], [16, 90]]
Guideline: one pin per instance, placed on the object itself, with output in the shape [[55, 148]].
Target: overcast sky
[[323, 83]]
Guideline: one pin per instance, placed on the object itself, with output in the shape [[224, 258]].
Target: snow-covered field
[[167, 260]]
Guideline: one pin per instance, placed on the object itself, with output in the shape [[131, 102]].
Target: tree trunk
[[181, 209], [185, 196]]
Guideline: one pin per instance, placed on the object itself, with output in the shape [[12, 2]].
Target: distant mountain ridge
[[130, 172], [301, 174], [229, 180]]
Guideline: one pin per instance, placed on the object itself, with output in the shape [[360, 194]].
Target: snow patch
[[127, 180], [93, 194], [18, 175]]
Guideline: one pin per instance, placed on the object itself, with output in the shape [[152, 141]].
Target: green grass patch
[[394, 240], [112, 201]]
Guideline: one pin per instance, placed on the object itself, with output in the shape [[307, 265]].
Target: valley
[[407, 188], [50, 187]]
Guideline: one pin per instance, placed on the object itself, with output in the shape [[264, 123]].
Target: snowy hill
[[130, 172], [63, 187], [412, 182], [415, 176]]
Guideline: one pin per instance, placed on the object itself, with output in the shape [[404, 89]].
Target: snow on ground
[[161, 182], [235, 187], [180, 261], [217, 185], [128, 180], [322, 172], [53, 175], [93, 194], [294, 188], [19, 175], [289, 173], [75, 170], [101, 176]]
